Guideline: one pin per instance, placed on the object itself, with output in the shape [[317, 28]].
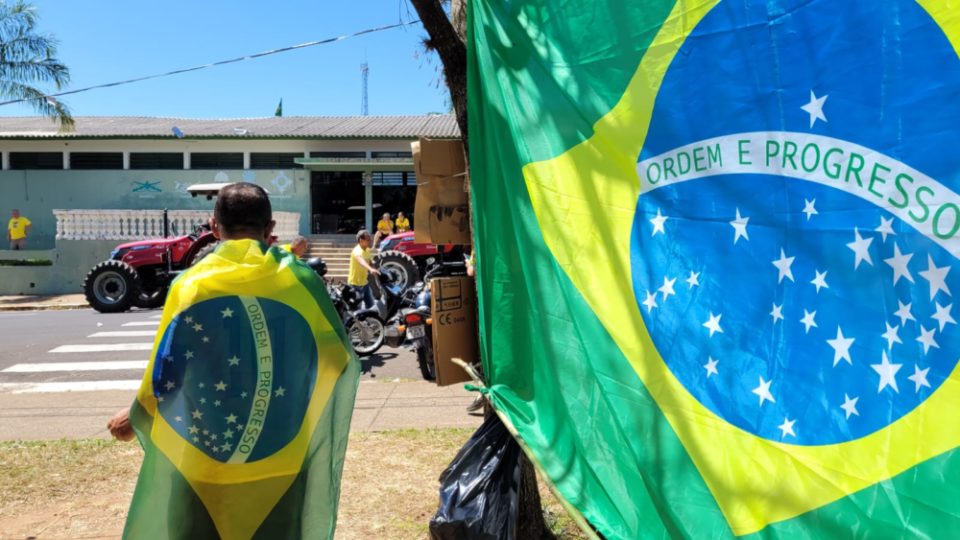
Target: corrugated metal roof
[[298, 127]]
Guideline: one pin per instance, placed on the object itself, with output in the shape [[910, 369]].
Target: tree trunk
[[452, 49], [448, 38]]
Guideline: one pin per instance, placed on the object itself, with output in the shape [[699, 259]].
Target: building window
[[274, 160], [326, 154], [96, 160], [156, 160], [216, 160], [394, 178], [36, 160], [391, 154]]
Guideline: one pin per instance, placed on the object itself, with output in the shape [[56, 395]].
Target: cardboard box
[[442, 212], [454, 312]]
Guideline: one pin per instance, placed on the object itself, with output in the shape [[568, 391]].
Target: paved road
[[80, 350]]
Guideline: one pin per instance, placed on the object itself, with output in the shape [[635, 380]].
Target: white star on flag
[[899, 264], [279, 392], [783, 265], [808, 320], [820, 281], [197, 415], [198, 327], [903, 312], [170, 385], [188, 355], [777, 312], [667, 288], [860, 247], [841, 347], [815, 108], [764, 392], [694, 279], [651, 301], [809, 209], [234, 361], [943, 316], [892, 335], [227, 313], [658, 223], [887, 372], [786, 428], [711, 366], [739, 227], [232, 419], [220, 386], [936, 276], [919, 377], [885, 228], [713, 324], [850, 405], [926, 338]]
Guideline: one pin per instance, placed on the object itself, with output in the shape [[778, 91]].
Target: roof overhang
[[356, 164]]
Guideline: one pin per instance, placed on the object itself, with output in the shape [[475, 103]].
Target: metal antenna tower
[[364, 106]]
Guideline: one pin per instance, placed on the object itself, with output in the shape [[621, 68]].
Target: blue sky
[[108, 40]]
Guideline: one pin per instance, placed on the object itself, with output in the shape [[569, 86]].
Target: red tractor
[[406, 260], [139, 273]]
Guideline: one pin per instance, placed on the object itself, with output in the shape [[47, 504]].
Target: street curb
[[41, 307]]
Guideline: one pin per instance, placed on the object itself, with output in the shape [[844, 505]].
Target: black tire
[[428, 367], [111, 286], [204, 251], [400, 267], [151, 299], [366, 334]]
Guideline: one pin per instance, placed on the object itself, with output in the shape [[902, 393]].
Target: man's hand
[[374, 271], [120, 427]]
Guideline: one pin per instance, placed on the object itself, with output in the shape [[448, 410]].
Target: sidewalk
[[32, 303], [380, 406]]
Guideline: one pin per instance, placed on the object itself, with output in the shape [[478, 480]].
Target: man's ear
[[269, 230], [215, 227]]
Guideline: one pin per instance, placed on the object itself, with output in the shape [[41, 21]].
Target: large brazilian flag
[[715, 247], [245, 405]]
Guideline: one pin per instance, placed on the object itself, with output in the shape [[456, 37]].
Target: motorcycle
[[364, 327], [415, 324]]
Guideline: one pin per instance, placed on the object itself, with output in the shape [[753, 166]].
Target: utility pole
[[364, 106]]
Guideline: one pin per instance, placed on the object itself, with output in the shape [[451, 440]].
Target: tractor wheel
[[204, 251], [151, 299], [400, 268], [111, 286]]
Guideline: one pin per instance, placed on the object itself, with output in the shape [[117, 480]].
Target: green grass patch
[[26, 262]]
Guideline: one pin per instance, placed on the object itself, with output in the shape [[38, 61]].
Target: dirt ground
[[81, 489]]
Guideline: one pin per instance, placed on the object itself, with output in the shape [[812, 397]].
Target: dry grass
[[81, 489]]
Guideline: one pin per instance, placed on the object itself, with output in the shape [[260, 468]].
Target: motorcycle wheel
[[400, 267], [111, 286], [366, 334], [428, 368]]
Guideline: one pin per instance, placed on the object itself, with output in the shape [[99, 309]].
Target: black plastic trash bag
[[479, 490]]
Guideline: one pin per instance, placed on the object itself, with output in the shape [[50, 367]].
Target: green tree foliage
[[28, 59]]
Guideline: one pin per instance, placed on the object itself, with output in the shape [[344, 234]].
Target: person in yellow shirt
[[17, 230], [384, 229], [360, 268], [402, 223]]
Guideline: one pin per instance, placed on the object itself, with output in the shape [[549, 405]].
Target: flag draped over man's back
[[245, 405], [716, 246]]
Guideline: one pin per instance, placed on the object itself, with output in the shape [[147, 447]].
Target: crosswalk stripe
[[156, 316], [79, 386], [75, 366], [124, 333], [141, 323], [103, 347]]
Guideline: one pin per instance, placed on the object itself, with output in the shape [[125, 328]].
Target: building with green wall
[[336, 172]]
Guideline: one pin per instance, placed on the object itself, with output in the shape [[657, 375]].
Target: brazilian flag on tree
[[716, 244], [245, 405]]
